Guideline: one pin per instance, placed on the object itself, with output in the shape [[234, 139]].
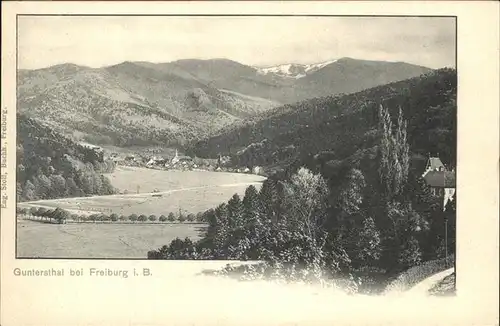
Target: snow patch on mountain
[[293, 70]]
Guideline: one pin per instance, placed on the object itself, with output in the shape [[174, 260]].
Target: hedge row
[[61, 214]]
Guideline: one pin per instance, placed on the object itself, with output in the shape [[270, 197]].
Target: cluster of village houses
[[441, 181], [182, 162]]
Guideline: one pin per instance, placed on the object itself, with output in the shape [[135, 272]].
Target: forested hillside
[[353, 205], [52, 166], [337, 127]]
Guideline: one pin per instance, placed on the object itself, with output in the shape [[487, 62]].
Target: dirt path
[[423, 287]]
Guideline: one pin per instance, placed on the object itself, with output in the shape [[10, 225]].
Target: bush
[[181, 218], [171, 217], [163, 218], [133, 217], [142, 218], [93, 217], [114, 217], [190, 218], [74, 217], [123, 218], [152, 217]]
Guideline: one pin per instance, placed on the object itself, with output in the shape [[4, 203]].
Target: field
[[190, 191], [97, 240]]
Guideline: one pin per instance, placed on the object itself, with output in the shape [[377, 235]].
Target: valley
[[189, 192]]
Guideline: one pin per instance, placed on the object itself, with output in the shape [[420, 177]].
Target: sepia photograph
[[250, 163], [330, 159]]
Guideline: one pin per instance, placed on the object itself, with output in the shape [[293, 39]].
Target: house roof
[[434, 163], [441, 179]]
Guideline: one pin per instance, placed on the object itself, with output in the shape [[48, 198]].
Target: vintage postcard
[[254, 163]]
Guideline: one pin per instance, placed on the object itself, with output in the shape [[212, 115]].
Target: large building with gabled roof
[[441, 181]]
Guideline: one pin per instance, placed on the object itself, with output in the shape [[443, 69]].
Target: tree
[[60, 215], [181, 217], [123, 218], [94, 217], [163, 218], [251, 203], [142, 218], [171, 217], [44, 191], [33, 211], [41, 211], [410, 254], [58, 186], [152, 217], [306, 195], [351, 196], [133, 217], [235, 212], [393, 153], [190, 217], [114, 217], [199, 217], [369, 242], [29, 191]]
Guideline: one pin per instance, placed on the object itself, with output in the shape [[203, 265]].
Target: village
[[176, 162]]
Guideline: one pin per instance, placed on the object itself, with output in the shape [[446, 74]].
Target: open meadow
[[190, 191], [90, 240]]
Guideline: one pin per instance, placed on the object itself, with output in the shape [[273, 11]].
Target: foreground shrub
[[178, 249], [281, 273]]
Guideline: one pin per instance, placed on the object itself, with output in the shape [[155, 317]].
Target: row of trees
[[376, 221], [47, 214], [57, 215]]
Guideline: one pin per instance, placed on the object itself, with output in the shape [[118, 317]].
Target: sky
[[257, 41]]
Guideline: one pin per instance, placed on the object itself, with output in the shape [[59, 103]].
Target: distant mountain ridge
[[343, 128], [174, 103]]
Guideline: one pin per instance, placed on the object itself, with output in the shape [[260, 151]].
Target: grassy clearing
[[190, 191], [128, 178], [90, 240]]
